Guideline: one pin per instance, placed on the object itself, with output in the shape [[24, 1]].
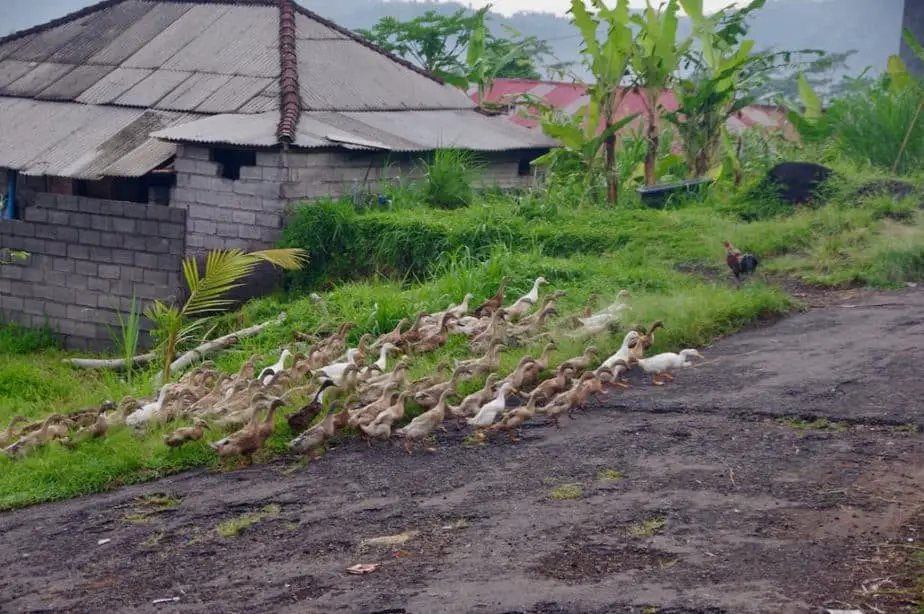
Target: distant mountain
[[872, 28]]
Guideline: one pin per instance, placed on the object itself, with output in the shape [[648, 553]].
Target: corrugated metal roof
[[152, 88], [393, 131], [82, 141], [10, 70], [74, 82], [339, 75], [193, 92], [113, 85], [170, 41], [234, 94], [97, 30], [140, 33], [306, 28], [37, 79]]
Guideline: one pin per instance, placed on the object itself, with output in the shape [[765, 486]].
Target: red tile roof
[[571, 97]]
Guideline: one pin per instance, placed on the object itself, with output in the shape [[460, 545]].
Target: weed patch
[[566, 492], [231, 528]]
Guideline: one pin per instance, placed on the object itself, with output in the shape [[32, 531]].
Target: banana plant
[[175, 325], [608, 61], [902, 79], [655, 60]]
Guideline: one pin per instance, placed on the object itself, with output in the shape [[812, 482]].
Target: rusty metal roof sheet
[[82, 141], [388, 130]]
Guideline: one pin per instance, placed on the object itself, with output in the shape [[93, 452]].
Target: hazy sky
[[559, 7]]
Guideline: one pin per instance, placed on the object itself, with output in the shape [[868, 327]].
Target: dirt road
[[784, 475]]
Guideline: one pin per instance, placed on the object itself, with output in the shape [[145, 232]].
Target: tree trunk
[[612, 176], [653, 138]]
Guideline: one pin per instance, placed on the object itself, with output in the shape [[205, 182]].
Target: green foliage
[[449, 178], [9, 256], [16, 339], [129, 334], [224, 269]]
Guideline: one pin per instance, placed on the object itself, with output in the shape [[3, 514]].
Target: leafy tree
[[455, 46]]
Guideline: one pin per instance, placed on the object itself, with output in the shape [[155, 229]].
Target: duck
[[629, 342], [576, 397], [488, 412], [373, 385], [367, 413], [149, 410], [493, 330], [646, 340], [487, 363], [186, 433], [659, 366], [519, 377], [547, 308], [469, 405], [362, 349], [413, 334], [247, 370], [526, 302], [434, 340], [394, 337], [494, 303], [7, 435], [554, 385], [52, 428], [267, 373], [337, 371], [442, 368], [311, 440], [380, 427], [336, 343], [250, 438], [302, 419], [423, 425], [382, 361], [532, 370], [430, 396], [514, 419], [583, 361]]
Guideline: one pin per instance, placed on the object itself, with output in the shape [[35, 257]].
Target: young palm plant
[[175, 325]]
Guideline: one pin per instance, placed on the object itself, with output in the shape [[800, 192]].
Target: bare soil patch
[[781, 476]]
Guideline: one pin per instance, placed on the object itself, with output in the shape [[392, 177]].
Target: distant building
[[137, 132]]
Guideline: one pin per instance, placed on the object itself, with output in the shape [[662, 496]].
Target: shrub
[[16, 339], [449, 178]]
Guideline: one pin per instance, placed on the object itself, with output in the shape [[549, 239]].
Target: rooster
[[739, 263]]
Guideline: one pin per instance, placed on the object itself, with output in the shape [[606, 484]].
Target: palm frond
[[223, 271], [290, 259]]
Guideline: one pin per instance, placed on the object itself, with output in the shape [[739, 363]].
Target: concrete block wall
[[249, 213], [222, 213], [88, 258]]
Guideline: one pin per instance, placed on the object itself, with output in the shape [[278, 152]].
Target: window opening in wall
[[8, 200], [230, 161], [524, 168]]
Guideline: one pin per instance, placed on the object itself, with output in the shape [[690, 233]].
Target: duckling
[[526, 302], [514, 419], [610, 375], [429, 397], [7, 435], [647, 339], [494, 303], [186, 433], [470, 404], [303, 418], [489, 411], [311, 440], [581, 362], [422, 425], [125, 407], [380, 427], [659, 366], [552, 386]]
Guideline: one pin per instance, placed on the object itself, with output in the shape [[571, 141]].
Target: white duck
[[622, 353], [490, 410], [334, 371], [660, 365], [526, 302], [455, 311], [382, 362], [149, 410], [266, 375], [606, 315]]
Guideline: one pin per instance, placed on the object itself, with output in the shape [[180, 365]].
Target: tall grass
[[128, 336], [449, 179]]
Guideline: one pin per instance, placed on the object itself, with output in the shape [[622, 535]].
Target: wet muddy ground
[[782, 475]]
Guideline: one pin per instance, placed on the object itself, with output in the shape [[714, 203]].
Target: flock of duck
[[354, 388]]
